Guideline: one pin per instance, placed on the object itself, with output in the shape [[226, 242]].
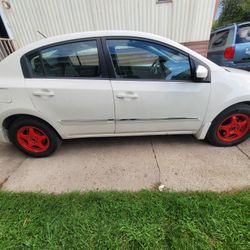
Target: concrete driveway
[[179, 162]]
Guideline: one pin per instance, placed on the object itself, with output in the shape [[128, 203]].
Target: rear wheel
[[34, 137], [231, 127]]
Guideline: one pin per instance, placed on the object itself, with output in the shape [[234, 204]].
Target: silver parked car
[[229, 46]]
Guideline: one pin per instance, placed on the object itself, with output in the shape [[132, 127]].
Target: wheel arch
[[201, 134], [11, 118]]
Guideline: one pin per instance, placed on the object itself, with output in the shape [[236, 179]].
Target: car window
[[77, 59], [243, 34], [211, 40], [136, 59], [36, 65], [220, 39]]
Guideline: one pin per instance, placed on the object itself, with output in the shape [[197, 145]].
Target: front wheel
[[34, 137], [231, 127]]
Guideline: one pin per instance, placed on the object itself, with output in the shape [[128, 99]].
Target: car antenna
[[41, 34]]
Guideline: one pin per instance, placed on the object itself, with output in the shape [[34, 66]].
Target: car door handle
[[43, 93], [127, 95]]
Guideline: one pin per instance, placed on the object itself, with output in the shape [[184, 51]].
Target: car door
[[67, 83], [153, 88]]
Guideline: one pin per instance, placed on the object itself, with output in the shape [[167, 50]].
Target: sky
[[218, 12]]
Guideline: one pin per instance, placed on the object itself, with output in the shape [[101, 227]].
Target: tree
[[246, 7], [233, 11]]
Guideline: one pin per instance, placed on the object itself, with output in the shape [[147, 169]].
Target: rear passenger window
[[78, 59], [243, 34], [220, 39], [36, 66]]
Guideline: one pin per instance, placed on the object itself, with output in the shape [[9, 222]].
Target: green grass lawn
[[113, 220]]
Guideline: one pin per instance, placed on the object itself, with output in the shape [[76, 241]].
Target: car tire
[[231, 127], [34, 137]]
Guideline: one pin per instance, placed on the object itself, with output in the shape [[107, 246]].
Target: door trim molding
[[80, 122]]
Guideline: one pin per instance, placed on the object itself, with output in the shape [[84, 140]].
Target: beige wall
[[180, 20]]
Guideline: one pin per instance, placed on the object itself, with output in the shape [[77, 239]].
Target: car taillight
[[229, 53]]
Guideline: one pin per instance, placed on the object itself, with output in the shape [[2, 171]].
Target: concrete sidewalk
[[179, 162]]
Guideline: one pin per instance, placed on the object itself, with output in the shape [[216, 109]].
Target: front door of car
[[67, 84], [153, 88]]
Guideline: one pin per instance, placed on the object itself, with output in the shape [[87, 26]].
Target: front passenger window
[[137, 59]]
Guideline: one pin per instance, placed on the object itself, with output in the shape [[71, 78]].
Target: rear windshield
[[243, 34], [211, 40], [220, 39]]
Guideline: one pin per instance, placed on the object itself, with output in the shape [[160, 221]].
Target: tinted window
[[145, 60], [78, 59], [36, 65], [243, 34], [211, 40], [220, 39]]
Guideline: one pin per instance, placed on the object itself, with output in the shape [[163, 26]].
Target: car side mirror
[[201, 72]]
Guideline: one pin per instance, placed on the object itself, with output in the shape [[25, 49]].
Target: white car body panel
[[81, 106], [174, 102], [106, 115]]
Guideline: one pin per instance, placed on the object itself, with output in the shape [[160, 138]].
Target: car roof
[[229, 26], [13, 61], [241, 24], [91, 34]]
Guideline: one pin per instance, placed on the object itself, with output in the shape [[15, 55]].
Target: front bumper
[[3, 135]]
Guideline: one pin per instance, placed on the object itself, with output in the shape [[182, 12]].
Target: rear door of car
[[68, 83], [242, 45]]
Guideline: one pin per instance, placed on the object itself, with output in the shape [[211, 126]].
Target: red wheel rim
[[233, 128], [33, 139]]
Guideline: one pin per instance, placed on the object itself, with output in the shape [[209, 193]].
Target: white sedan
[[118, 83]]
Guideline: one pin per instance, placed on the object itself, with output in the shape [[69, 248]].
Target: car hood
[[239, 79], [237, 71]]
